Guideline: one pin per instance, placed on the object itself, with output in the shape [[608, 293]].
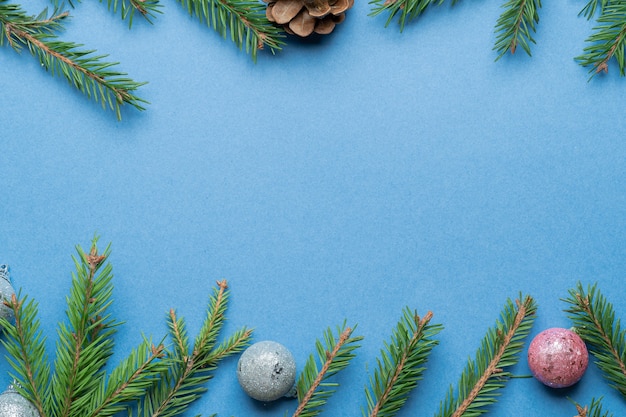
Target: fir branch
[[184, 379], [515, 26], [334, 355], [85, 343], [407, 9], [402, 364], [592, 410], [25, 346], [81, 68], [608, 41], [486, 374], [592, 6], [128, 381], [148, 9], [244, 20], [594, 320]]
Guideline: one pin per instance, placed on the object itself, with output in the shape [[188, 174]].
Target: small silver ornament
[[267, 371], [6, 292], [12, 404]]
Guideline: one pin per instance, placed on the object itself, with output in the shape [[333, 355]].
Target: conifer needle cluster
[[594, 320], [488, 372], [163, 379], [154, 380]]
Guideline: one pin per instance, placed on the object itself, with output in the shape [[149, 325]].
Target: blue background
[[339, 179]]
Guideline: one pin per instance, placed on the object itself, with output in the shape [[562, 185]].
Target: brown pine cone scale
[[304, 17]]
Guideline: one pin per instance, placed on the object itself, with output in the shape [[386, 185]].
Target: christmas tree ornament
[[267, 371], [6, 292], [13, 404], [305, 17], [558, 357]]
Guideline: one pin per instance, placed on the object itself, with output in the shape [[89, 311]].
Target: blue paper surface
[[343, 178]]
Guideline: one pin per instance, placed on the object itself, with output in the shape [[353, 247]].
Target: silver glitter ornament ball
[[6, 292], [266, 371], [12, 404]]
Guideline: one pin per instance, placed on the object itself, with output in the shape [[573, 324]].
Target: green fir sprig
[[608, 40], [594, 320], [152, 380], [592, 7], [516, 25], [401, 364], [244, 21], [594, 409], [148, 9], [334, 354], [191, 367], [83, 69], [406, 10], [486, 374]]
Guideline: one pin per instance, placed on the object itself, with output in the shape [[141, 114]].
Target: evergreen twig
[[594, 320], [25, 346], [334, 355], [406, 9], [86, 342], [486, 374], [608, 40], [592, 410], [87, 72], [183, 382], [148, 9], [592, 6], [244, 20], [401, 365], [516, 25]]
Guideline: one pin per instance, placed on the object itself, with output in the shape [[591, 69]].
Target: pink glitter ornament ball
[[558, 357]]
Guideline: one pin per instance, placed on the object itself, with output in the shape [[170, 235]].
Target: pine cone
[[304, 17]]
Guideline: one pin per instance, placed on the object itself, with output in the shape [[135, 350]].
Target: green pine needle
[[401, 365], [148, 9], [592, 410], [191, 367], [608, 40], [86, 342], [486, 374], [592, 6], [406, 10], [244, 21], [151, 381], [516, 25], [594, 320], [334, 355], [26, 354], [83, 69]]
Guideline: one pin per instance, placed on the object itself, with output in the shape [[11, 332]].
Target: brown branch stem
[[586, 305], [492, 368], [330, 356], [405, 354]]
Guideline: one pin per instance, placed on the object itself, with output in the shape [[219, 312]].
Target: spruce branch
[[190, 368], [86, 342], [401, 365], [592, 6], [406, 9], [87, 72], [148, 9], [243, 20], [334, 354], [608, 41], [592, 410], [516, 25], [594, 320], [25, 346], [487, 373]]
